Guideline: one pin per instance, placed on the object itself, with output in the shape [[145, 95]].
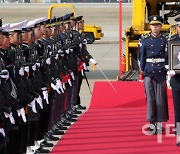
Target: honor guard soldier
[[2, 103], [175, 84], [152, 60], [85, 59]]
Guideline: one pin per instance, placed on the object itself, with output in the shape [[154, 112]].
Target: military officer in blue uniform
[[175, 85], [152, 60]]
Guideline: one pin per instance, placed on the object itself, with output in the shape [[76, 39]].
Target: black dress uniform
[[153, 57], [175, 83]]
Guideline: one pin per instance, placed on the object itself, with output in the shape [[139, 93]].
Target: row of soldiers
[[42, 65]]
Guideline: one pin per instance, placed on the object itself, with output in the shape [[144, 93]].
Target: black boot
[[80, 107], [49, 137], [41, 150], [46, 144], [152, 128]]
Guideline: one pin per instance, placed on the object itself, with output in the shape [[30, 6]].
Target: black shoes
[[80, 107], [155, 128], [55, 132], [41, 150], [152, 129], [59, 126], [46, 144], [71, 114], [49, 137], [66, 123], [178, 144]]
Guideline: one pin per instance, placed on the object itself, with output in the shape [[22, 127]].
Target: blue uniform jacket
[[153, 47]]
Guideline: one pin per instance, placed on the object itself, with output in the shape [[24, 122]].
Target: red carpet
[[113, 124]]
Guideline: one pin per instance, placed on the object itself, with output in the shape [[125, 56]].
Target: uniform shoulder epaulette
[[172, 37], [144, 36], [166, 35]]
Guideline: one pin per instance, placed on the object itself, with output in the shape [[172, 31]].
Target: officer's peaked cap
[[43, 20], [25, 28], [40, 21], [17, 26], [5, 29], [155, 19], [31, 24], [66, 17], [79, 18]]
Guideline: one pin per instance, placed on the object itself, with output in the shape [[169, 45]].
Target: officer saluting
[[153, 57], [175, 84]]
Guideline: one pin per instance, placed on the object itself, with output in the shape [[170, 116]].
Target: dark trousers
[[23, 130], [43, 120], [56, 108], [75, 91], [176, 100], [2, 144], [80, 79]]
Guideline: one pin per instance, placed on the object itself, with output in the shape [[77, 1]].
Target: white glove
[[39, 101], [82, 72], [167, 67], [48, 61], [53, 86], [34, 67], [64, 87], [5, 76], [60, 51], [21, 71], [69, 81], [56, 57], [59, 85], [21, 112], [72, 75], [38, 64], [2, 132], [33, 105], [26, 68], [10, 116], [45, 96], [84, 66], [93, 61], [80, 45], [168, 78], [171, 73], [67, 51], [49, 46]]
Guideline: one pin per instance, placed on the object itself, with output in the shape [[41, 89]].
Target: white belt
[[155, 60]]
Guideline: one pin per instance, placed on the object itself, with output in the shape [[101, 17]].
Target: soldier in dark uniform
[[153, 58], [85, 59], [10, 96], [2, 132], [175, 85]]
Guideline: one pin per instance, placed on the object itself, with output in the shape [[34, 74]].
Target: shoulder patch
[[172, 37], [144, 36], [166, 35]]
